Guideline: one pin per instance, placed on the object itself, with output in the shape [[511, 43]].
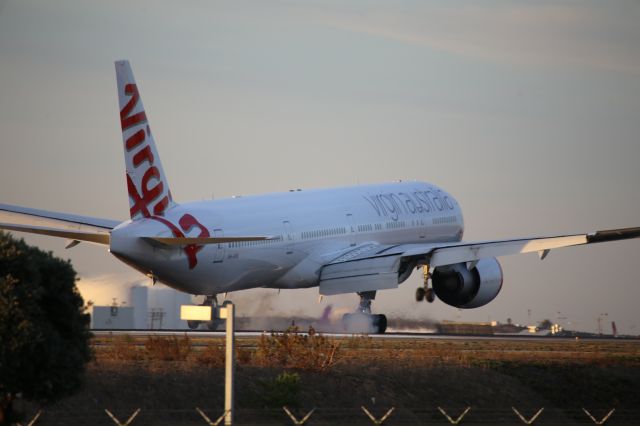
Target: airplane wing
[[74, 227], [377, 267], [448, 254]]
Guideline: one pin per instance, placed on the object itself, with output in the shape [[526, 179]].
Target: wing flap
[[377, 273], [357, 284]]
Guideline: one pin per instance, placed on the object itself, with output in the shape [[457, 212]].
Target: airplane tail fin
[[148, 188]]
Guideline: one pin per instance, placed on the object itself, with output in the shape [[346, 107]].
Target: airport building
[[147, 308]]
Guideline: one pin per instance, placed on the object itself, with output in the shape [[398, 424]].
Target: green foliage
[[43, 325], [284, 390]]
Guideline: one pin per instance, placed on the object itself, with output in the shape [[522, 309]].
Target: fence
[[339, 416]]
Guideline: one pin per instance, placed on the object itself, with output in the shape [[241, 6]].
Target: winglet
[[613, 235]]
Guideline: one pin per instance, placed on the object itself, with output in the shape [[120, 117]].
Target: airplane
[[354, 239]]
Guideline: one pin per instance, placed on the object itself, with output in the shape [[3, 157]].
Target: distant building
[[156, 308], [112, 318]]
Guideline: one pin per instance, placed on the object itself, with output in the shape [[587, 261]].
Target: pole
[[227, 312]]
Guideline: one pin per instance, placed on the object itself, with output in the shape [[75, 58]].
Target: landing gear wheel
[[430, 295], [356, 323], [380, 322], [213, 325], [364, 323], [211, 301], [420, 292]]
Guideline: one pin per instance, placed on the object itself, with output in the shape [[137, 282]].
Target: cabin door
[[351, 229], [287, 237], [218, 257]]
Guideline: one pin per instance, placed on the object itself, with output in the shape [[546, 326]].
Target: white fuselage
[[309, 229]]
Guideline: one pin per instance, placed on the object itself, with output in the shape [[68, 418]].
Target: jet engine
[[459, 286]]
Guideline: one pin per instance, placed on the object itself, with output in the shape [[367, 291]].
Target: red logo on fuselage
[[187, 223]]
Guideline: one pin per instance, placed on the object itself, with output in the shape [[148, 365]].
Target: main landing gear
[[214, 323], [362, 321], [425, 292]]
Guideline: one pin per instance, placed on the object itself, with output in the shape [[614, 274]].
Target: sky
[[527, 112]]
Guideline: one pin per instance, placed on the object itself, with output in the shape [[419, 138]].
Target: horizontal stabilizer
[[92, 237], [28, 216], [184, 241]]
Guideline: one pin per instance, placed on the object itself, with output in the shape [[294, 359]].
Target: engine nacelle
[[458, 286]]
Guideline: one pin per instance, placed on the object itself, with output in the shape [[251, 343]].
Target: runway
[[403, 335]]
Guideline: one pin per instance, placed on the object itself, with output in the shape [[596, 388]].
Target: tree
[[44, 330], [545, 324]]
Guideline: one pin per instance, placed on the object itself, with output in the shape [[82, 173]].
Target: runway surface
[[388, 335]]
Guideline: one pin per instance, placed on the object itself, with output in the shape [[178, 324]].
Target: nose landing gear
[[362, 320], [425, 292]]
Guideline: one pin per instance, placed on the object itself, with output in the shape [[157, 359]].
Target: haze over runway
[[529, 113]]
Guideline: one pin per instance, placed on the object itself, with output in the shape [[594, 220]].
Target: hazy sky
[[527, 112]]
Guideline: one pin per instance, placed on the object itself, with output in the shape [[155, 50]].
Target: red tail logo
[[143, 198]]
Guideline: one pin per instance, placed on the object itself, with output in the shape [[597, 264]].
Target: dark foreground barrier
[[464, 415]]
